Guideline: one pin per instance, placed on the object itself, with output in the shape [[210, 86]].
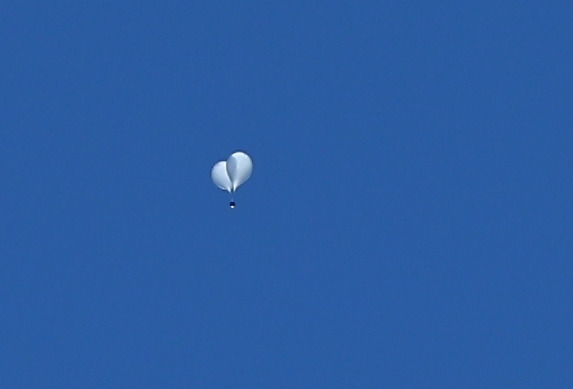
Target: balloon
[[232, 173]]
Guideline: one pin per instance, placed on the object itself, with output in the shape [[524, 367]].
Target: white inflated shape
[[232, 173]]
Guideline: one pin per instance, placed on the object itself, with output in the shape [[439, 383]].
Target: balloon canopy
[[232, 173]]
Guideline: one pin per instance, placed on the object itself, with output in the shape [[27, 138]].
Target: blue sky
[[407, 224]]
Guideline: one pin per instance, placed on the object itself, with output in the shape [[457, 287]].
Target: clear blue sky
[[408, 223]]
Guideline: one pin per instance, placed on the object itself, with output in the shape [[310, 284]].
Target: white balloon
[[239, 168], [220, 177], [232, 173]]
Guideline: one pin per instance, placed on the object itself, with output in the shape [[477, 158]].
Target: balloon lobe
[[220, 176], [239, 168]]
